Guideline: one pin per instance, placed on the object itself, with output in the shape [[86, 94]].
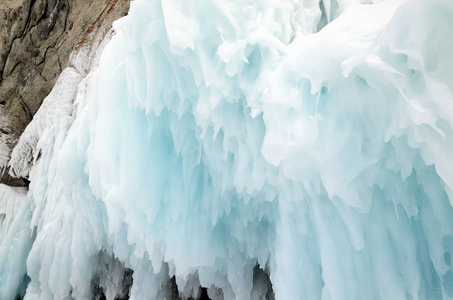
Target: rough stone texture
[[36, 40]]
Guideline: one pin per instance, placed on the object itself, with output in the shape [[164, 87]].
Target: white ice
[[214, 136]]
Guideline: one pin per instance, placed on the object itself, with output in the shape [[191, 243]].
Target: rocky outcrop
[[36, 40]]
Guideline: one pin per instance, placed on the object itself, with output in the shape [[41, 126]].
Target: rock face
[[36, 40]]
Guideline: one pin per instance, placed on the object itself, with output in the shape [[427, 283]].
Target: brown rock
[[36, 40]]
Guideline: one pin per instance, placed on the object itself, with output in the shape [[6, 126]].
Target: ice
[[244, 150], [16, 239], [55, 113]]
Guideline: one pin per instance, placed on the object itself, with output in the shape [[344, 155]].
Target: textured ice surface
[[55, 113], [15, 240], [217, 136]]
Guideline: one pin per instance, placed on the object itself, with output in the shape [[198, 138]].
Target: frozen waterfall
[[261, 149]]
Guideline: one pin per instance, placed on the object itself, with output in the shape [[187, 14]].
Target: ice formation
[[259, 149]]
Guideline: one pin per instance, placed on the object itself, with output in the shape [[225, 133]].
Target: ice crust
[[213, 137]]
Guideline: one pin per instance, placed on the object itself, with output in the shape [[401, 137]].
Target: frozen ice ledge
[[242, 150]]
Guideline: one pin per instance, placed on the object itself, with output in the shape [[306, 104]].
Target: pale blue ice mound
[[214, 137]]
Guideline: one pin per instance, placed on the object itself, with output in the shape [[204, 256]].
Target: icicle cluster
[[254, 148]]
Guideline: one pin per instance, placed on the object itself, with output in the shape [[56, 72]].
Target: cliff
[[36, 40]]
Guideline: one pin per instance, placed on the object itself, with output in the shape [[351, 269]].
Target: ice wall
[[16, 238], [215, 137]]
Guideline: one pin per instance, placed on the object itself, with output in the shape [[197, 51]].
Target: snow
[[209, 138]]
